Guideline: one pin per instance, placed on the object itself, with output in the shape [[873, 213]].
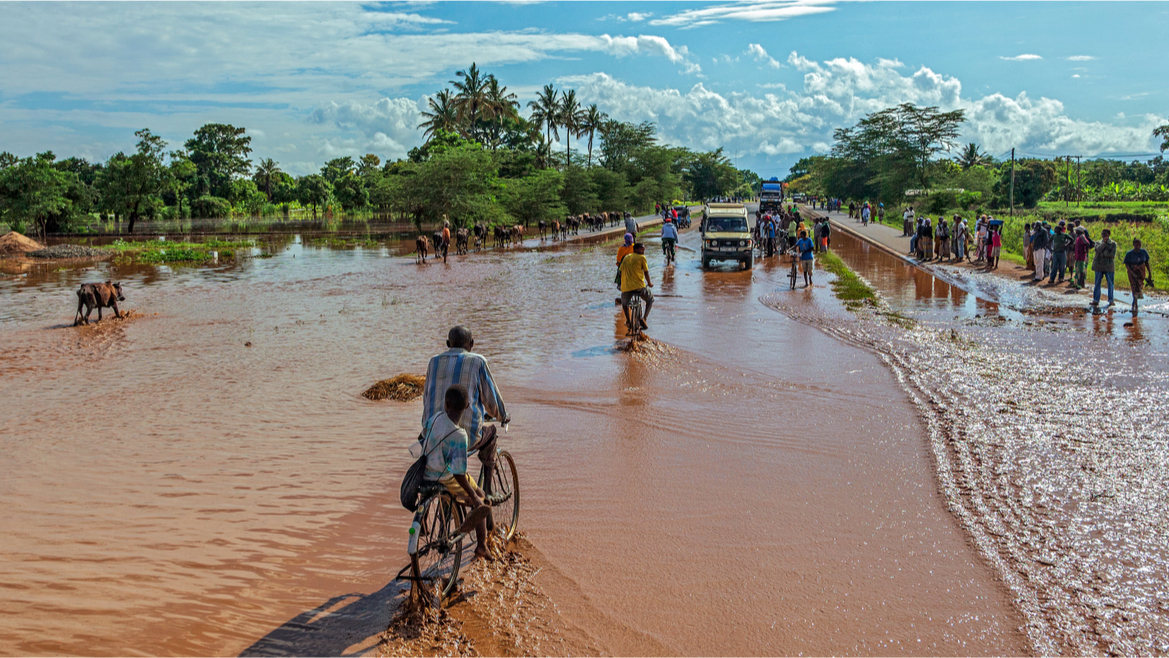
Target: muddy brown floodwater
[[764, 482]]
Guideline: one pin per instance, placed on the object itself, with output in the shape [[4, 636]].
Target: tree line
[[909, 152], [482, 161]]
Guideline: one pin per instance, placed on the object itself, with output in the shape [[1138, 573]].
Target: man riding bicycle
[[458, 365], [669, 238], [635, 282]]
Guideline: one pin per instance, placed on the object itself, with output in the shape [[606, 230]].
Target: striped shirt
[[458, 366]]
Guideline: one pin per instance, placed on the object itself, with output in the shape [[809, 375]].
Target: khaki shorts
[[452, 485], [806, 266]]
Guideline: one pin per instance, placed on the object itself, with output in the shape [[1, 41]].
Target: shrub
[[211, 207]]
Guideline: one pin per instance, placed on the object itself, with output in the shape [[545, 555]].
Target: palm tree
[[971, 156], [471, 97], [545, 112], [442, 115], [266, 171], [592, 122], [501, 106], [572, 118]]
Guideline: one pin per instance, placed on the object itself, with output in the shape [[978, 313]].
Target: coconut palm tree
[[470, 98], [971, 156], [266, 171], [592, 122], [545, 112], [441, 116], [501, 106], [572, 117]]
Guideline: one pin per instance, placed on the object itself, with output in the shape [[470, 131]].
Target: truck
[[771, 196], [726, 234]]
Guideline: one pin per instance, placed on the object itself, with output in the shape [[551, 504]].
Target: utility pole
[[1078, 179], [1012, 182]]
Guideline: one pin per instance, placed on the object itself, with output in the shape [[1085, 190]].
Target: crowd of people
[[1054, 253]]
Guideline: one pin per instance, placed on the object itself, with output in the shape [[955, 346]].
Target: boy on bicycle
[[635, 282], [445, 447], [669, 237]]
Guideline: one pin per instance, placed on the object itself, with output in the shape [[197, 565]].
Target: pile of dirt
[[402, 388], [69, 251], [15, 244]]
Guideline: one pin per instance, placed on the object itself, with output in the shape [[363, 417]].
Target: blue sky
[[768, 81]]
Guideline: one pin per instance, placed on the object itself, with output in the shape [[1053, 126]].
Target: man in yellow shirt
[[635, 282]]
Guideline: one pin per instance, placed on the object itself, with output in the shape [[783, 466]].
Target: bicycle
[[436, 550], [668, 248], [633, 324], [795, 268]]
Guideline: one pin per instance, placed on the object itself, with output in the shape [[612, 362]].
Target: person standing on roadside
[[1060, 245], [1139, 269], [943, 236], [807, 257], [446, 239], [866, 214], [907, 222], [1080, 249], [1104, 265], [1038, 249], [1028, 255]]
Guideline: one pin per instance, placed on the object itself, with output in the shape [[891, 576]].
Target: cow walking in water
[[421, 247], [543, 228], [99, 296], [462, 238]]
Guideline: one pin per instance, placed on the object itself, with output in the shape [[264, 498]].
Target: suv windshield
[[726, 225]]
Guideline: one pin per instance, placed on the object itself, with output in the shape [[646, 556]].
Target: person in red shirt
[[446, 238]]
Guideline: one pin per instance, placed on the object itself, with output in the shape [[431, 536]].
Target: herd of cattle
[[504, 236]]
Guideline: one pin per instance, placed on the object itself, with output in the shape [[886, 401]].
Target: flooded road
[[753, 486]]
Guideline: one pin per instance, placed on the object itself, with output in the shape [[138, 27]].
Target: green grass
[[343, 241], [166, 251], [849, 288]]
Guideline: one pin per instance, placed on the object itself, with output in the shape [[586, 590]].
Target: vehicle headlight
[[742, 243], [712, 243]]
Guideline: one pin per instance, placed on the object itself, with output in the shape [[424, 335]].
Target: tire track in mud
[[1034, 478]]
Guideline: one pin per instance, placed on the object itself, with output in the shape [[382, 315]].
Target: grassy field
[[166, 251]]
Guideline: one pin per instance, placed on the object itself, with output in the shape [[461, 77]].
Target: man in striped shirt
[[458, 365]]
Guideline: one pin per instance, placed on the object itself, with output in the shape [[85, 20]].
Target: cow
[[99, 296], [480, 236], [543, 228], [421, 247], [517, 234], [462, 238], [555, 229], [573, 226]]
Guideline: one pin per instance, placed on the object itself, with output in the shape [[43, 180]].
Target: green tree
[[351, 192], [1033, 180], [470, 100], [610, 188], [572, 117], [621, 141], [546, 112], [33, 191], [368, 164], [711, 174], [220, 153], [442, 116], [338, 167], [576, 191], [132, 186], [971, 156], [892, 149], [1163, 133], [535, 197], [266, 172], [593, 119], [500, 108], [313, 190], [181, 177]]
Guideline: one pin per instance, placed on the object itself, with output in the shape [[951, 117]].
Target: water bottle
[[412, 547]]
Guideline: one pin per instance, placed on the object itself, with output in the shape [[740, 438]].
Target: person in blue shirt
[[669, 238], [805, 246]]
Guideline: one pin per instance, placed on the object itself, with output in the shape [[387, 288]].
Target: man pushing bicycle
[[459, 366]]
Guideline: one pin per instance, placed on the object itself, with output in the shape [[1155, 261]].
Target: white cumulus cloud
[[755, 50], [755, 12], [1081, 58], [1022, 58]]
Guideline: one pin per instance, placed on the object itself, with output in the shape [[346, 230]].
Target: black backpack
[[412, 481]]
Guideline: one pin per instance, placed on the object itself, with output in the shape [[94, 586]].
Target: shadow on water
[[349, 620]]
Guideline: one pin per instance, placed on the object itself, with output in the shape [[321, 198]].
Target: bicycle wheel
[[438, 557], [505, 484]]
